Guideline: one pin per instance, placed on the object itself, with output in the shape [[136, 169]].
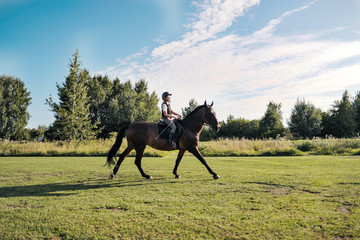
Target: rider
[[169, 115]]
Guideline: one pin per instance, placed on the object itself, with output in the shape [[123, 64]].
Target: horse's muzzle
[[216, 128]]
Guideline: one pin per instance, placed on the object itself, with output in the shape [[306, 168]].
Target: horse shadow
[[73, 188]]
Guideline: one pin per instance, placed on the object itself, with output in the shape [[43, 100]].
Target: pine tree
[[343, 117], [356, 109], [72, 115], [192, 105]]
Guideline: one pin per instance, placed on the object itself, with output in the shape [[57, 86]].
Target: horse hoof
[[177, 176], [112, 176], [148, 177], [216, 176]]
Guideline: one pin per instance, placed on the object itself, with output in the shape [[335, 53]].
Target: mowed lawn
[[308, 197]]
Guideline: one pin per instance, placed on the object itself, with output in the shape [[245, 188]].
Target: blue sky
[[238, 53]]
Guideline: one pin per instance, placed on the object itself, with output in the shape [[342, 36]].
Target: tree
[[192, 105], [126, 104], [36, 134], [356, 109], [240, 128], [343, 117], [270, 124], [99, 88], [72, 115], [14, 100], [146, 103], [327, 126], [305, 120]]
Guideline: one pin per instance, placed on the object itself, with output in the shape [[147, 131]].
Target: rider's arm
[[168, 115], [176, 114]]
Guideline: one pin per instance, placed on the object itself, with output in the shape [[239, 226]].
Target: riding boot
[[170, 143]]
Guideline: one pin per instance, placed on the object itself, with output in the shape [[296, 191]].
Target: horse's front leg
[[178, 160], [198, 155]]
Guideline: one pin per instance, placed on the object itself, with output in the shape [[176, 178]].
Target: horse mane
[[194, 112]]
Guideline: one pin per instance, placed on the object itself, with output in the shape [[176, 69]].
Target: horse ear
[[205, 104], [211, 104]]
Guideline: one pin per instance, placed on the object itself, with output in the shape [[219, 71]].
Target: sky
[[241, 54]]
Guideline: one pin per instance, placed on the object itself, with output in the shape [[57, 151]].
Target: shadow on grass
[[72, 188]]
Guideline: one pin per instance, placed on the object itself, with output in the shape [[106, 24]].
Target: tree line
[[88, 107], [306, 121], [92, 107]]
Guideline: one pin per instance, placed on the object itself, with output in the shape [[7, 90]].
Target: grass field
[[305, 197]]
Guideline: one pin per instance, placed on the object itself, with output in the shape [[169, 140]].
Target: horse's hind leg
[[139, 155], [122, 156]]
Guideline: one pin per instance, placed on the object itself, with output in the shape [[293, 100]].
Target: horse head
[[210, 117]]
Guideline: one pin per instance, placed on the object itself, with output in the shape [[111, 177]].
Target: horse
[[141, 134]]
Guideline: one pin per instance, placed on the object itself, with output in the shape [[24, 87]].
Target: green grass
[[307, 197]]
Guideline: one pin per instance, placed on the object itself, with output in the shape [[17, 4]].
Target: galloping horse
[[140, 134]]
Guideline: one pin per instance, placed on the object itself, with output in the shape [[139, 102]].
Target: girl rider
[[169, 115]]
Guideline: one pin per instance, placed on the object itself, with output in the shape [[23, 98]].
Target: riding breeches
[[170, 124]]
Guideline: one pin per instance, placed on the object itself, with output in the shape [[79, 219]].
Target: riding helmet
[[165, 94]]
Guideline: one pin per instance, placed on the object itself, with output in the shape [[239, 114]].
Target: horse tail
[[110, 158]]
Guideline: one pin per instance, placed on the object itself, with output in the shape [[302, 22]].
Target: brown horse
[[140, 134]]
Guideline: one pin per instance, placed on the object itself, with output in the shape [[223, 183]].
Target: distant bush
[[305, 146]]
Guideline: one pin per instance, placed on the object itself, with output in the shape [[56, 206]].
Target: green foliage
[[305, 120], [326, 124], [95, 107], [257, 198], [329, 146], [305, 146], [343, 117], [271, 124], [356, 109], [187, 110], [125, 104], [36, 133], [342, 120], [14, 100], [99, 88], [207, 134], [240, 128], [72, 115]]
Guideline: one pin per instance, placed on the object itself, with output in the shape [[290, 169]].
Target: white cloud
[[215, 17], [242, 73]]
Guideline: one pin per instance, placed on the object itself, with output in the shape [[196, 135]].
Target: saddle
[[179, 133]]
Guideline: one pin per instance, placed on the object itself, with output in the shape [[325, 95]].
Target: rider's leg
[[173, 129]]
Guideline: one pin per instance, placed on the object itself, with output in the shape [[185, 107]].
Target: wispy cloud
[[242, 73], [215, 17]]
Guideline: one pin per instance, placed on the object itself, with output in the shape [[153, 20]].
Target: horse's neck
[[196, 121]]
